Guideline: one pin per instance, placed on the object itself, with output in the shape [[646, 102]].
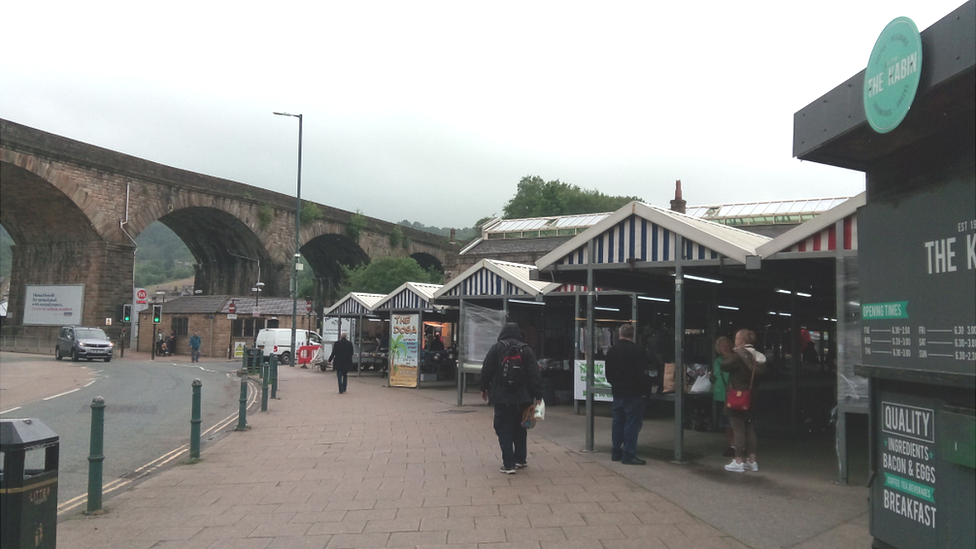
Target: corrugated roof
[[491, 277], [410, 295], [646, 233], [355, 303], [787, 240]]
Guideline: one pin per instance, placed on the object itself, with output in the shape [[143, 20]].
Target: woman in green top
[[723, 347]]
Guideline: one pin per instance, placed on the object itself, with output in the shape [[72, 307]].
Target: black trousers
[[511, 435]]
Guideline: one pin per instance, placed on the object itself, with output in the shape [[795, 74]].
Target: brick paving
[[393, 467], [382, 467]]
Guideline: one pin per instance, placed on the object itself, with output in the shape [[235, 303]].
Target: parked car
[[82, 342], [277, 341]]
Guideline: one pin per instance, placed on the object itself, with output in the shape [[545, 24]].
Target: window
[[181, 325], [246, 327]]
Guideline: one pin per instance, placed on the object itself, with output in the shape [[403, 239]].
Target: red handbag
[[740, 399]]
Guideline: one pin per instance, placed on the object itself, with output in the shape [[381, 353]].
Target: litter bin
[[28, 485]]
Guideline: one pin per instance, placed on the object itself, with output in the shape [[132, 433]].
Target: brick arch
[[229, 256], [60, 219], [326, 254]]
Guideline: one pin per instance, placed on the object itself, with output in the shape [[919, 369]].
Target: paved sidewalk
[[387, 467]]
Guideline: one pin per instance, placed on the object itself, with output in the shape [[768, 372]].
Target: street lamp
[[298, 243]]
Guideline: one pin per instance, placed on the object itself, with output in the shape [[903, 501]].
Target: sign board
[[599, 380], [142, 297], [331, 329], [892, 75], [404, 350], [54, 305], [918, 280], [905, 490], [239, 347], [231, 316]]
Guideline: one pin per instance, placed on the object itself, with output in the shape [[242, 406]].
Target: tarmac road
[[147, 414]]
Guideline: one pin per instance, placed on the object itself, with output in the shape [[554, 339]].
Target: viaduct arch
[[74, 211]]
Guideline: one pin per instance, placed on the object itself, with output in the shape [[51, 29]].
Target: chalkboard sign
[[918, 279]]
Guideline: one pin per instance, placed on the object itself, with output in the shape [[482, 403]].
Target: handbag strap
[[753, 376]]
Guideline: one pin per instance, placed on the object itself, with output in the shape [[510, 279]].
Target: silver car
[[80, 342]]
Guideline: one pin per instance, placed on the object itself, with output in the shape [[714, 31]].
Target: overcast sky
[[433, 111]]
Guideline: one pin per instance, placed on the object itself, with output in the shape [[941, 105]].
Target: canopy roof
[[355, 304], [640, 233], [494, 278], [821, 235], [410, 295]]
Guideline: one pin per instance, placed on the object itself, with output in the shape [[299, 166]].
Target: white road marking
[[10, 410], [62, 394]]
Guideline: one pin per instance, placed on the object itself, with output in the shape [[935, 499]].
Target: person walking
[[627, 365], [720, 381], [745, 365], [512, 382], [341, 360], [195, 347]]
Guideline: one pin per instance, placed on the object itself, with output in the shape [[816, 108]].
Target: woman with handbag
[[744, 365]]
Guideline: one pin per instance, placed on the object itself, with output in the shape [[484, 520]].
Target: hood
[[510, 331]]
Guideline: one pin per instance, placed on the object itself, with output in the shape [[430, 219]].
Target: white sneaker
[[736, 467], [507, 471], [752, 466]]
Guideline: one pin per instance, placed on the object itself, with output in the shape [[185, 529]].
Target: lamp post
[[298, 242]]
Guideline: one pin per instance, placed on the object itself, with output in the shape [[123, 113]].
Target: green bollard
[[96, 455], [195, 421], [274, 376], [264, 386], [242, 413]]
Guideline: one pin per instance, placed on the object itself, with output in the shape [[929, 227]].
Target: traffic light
[[157, 313], [127, 313]]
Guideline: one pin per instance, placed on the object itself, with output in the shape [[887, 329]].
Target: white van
[[278, 341]]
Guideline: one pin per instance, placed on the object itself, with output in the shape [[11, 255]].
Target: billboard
[[54, 305]]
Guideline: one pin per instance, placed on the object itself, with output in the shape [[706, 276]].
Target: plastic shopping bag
[[540, 410], [702, 385]]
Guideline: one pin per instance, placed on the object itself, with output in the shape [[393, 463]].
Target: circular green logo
[[891, 78]]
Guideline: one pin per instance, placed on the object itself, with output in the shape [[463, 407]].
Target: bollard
[[274, 376], [195, 421], [242, 413], [95, 455], [264, 386]]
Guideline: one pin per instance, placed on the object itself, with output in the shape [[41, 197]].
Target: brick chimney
[[453, 239], [678, 205]]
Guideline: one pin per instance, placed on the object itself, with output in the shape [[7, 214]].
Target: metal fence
[[24, 344]]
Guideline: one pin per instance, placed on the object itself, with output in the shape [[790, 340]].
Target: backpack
[[512, 371]]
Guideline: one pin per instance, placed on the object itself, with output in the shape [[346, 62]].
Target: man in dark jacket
[[341, 360], [511, 403], [626, 372]]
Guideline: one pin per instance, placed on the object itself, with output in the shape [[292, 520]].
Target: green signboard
[[892, 74]]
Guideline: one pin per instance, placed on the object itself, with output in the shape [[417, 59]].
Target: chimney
[[453, 240], [678, 205]]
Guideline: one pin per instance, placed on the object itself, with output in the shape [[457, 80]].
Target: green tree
[[356, 225], [386, 274], [537, 198]]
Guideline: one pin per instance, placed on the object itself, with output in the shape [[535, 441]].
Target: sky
[[434, 111]]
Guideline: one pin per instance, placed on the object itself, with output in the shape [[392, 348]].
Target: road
[[147, 414]]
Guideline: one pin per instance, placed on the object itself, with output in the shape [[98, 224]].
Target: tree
[[538, 198], [386, 274]]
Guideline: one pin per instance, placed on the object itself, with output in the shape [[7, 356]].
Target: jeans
[[194, 355], [512, 436], [342, 377], [628, 418]]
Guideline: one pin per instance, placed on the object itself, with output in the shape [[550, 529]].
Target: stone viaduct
[[74, 210]]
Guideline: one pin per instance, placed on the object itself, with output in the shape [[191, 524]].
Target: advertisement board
[[404, 350], [54, 305], [599, 380]]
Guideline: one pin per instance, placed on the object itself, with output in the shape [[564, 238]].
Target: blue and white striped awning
[[354, 304], [494, 278], [643, 235], [409, 296]]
